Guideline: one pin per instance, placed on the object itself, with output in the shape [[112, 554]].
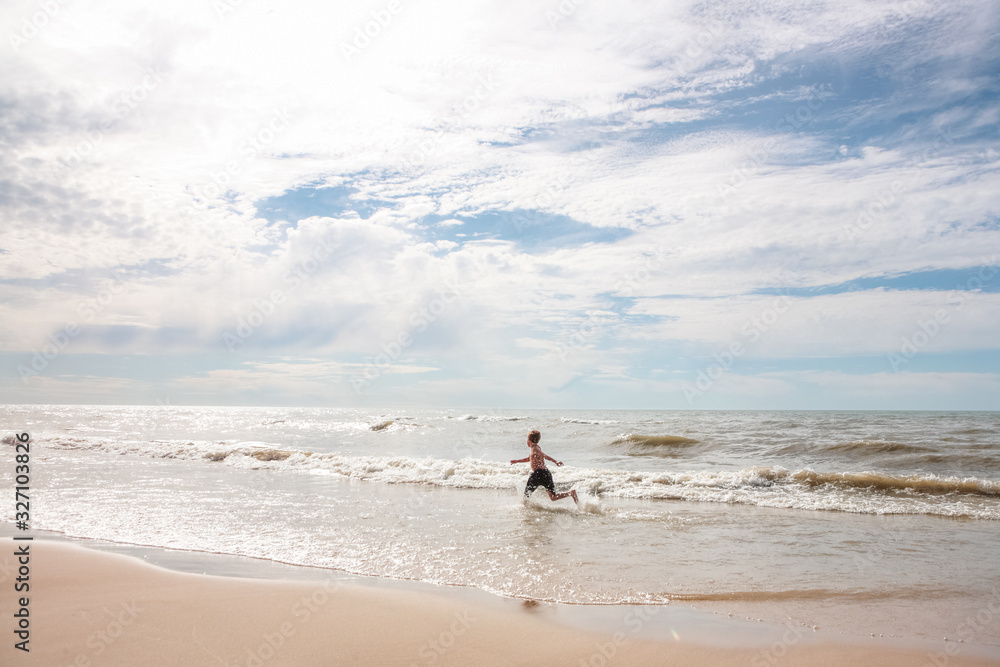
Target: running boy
[[540, 475]]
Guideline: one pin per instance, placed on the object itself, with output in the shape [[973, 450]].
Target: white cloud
[[851, 323], [904, 383], [174, 120]]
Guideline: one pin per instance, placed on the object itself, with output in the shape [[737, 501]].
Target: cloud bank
[[566, 204]]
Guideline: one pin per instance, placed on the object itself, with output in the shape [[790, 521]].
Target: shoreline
[[77, 581], [671, 620]]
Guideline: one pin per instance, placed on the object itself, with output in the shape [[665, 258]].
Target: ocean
[[850, 523]]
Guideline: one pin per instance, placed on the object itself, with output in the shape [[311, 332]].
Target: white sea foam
[[766, 486], [490, 418], [592, 422]]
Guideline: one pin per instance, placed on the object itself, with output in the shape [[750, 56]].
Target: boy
[[540, 475]]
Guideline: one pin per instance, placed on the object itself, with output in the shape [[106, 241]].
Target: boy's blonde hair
[[534, 436]]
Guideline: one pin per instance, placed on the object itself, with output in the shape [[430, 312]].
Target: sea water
[[863, 523]]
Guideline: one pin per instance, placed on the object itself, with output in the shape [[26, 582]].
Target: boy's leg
[[532, 484], [559, 496], [551, 488]]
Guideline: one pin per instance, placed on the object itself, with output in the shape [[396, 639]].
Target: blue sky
[[678, 205]]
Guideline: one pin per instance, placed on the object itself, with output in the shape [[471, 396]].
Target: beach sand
[[93, 608]]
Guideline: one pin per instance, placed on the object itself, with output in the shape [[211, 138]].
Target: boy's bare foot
[[575, 499]]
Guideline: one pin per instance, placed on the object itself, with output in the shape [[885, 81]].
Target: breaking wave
[[653, 441], [766, 486], [653, 445], [490, 418], [875, 447]]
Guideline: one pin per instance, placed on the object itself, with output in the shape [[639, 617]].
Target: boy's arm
[[558, 463], [513, 461]]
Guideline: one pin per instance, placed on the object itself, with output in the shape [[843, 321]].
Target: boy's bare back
[[537, 457]]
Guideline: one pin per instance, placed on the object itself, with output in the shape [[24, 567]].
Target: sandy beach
[[92, 608]]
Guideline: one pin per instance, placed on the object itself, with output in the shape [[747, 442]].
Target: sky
[[541, 204]]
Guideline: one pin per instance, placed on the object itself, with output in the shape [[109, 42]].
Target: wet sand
[[93, 608]]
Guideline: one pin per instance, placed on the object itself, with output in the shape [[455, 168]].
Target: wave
[[875, 447], [855, 448], [490, 418], [765, 486], [859, 596], [929, 484], [653, 440], [592, 422], [656, 445], [961, 461]]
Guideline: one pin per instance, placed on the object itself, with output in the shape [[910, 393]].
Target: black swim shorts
[[539, 478]]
